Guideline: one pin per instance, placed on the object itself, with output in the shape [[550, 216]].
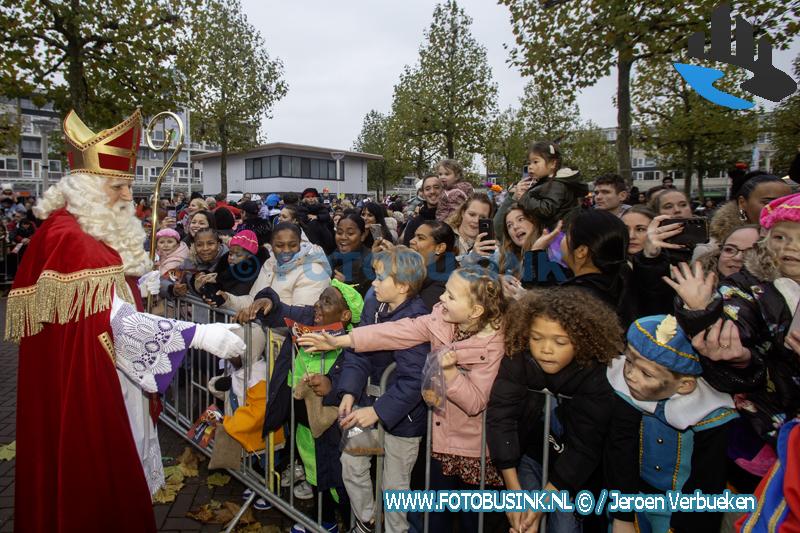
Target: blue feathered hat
[[660, 339]]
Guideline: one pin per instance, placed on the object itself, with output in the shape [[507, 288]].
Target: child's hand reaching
[[364, 418], [323, 342], [547, 237], [695, 289]]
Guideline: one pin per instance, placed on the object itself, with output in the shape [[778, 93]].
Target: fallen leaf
[[217, 480], [216, 513], [188, 462], [173, 477], [167, 493], [247, 518], [173, 473], [204, 513], [8, 451]]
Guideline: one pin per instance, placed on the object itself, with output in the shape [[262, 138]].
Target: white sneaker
[[261, 505], [303, 491], [247, 493], [299, 474]]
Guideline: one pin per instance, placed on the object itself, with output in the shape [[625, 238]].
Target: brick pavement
[[170, 518]]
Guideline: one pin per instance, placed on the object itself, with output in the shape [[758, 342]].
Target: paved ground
[[169, 517]]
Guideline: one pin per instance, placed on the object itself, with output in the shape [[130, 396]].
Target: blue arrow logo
[[702, 80]]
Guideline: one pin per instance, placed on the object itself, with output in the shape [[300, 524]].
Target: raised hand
[[547, 237], [694, 288], [657, 236], [484, 248]]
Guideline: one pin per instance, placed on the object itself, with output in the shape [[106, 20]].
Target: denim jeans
[[529, 472]]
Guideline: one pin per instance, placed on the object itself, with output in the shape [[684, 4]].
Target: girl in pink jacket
[[469, 317]]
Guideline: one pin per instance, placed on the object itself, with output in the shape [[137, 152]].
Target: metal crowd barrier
[[188, 398]]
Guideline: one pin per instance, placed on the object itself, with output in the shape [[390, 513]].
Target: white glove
[[149, 284], [218, 339]]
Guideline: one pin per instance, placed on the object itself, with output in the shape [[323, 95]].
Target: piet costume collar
[[681, 411]]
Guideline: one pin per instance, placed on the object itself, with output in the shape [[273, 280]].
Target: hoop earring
[[742, 215]]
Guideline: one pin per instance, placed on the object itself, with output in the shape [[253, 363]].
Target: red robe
[[77, 466]]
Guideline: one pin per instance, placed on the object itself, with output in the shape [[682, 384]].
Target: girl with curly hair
[[469, 319], [562, 340]]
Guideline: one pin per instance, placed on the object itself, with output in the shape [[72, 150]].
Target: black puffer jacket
[[771, 381], [579, 424]]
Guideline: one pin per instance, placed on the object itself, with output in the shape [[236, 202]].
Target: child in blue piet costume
[[669, 427]]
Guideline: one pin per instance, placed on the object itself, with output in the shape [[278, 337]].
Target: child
[[556, 192], [455, 190], [468, 318], [670, 428], [399, 274], [171, 251], [172, 254], [320, 456], [561, 339]]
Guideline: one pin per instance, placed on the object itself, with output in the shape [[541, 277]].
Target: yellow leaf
[[173, 472], [188, 462], [217, 480], [8, 451], [188, 471], [167, 493]]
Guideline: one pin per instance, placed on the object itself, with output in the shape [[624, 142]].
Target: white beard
[[117, 226]]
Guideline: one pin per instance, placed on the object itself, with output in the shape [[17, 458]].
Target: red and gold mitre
[[110, 153]]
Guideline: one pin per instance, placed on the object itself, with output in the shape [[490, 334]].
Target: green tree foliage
[[102, 58], [374, 139], [408, 140], [444, 101], [685, 131], [10, 128], [506, 145], [228, 79], [544, 116], [568, 45], [587, 149], [784, 127], [548, 115]]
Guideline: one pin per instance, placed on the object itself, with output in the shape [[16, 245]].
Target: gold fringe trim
[[59, 298]]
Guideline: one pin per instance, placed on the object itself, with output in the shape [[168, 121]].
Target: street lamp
[[338, 156], [45, 127]]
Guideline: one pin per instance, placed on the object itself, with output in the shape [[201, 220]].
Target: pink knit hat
[[168, 232], [784, 209], [247, 240]]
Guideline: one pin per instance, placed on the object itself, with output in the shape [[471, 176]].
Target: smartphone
[[377, 231], [172, 213], [485, 225], [695, 231]]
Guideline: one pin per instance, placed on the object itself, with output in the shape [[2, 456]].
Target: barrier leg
[[483, 466], [426, 517], [548, 402]]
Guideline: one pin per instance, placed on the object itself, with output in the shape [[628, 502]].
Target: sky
[[342, 59]]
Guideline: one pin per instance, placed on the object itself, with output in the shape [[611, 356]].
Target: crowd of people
[[674, 360]]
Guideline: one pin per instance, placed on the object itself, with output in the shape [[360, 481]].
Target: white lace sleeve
[[149, 349]]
